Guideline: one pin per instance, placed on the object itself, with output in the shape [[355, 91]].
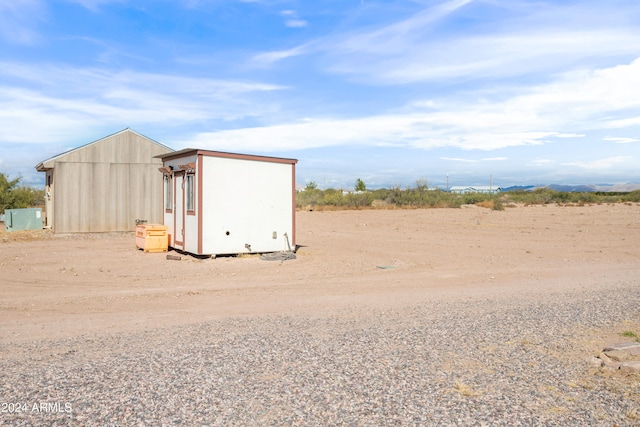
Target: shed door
[[48, 199], [178, 210]]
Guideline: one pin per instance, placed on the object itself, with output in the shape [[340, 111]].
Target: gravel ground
[[474, 362]]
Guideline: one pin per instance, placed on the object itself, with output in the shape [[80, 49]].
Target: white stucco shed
[[218, 203]]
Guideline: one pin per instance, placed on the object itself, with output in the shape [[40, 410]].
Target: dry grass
[[489, 204], [465, 389], [25, 235], [248, 255], [634, 413]]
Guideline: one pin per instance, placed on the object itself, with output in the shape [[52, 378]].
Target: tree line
[[13, 195], [420, 196]]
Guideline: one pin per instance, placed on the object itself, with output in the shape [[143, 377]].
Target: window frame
[[168, 193], [190, 193]]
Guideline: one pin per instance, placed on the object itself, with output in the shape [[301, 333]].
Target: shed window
[[190, 193], [168, 192]]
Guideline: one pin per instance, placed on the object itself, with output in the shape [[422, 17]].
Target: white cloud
[[619, 140], [268, 58], [528, 41], [487, 159], [602, 164], [100, 80], [94, 5], [389, 130], [623, 123], [293, 20], [575, 101], [535, 51], [458, 159], [542, 161], [534, 116], [60, 99], [395, 37], [296, 23], [565, 108], [19, 19], [569, 135], [362, 42], [516, 74]]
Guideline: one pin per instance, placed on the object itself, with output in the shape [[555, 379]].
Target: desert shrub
[[633, 196], [498, 205], [381, 194], [333, 197], [443, 199], [309, 197], [416, 197], [359, 199], [473, 198], [493, 202], [394, 196], [537, 197], [421, 197], [559, 196], [543, 196], [582, 198]]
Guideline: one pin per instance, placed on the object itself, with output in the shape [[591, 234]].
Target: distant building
[[105, 185], [484, 189]]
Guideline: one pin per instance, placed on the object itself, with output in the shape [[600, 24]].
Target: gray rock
[[596, 362], [609, 363], [619, 355], [631, 366], [629, 347]]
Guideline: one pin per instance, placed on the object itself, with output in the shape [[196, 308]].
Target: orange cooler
[[152, 237]]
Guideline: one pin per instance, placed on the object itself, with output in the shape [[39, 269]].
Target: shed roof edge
[[224, 154]]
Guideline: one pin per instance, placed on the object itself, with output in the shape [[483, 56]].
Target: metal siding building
[[105, 185], [484, 189], [226, 203]]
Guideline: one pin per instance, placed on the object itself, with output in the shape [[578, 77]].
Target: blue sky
[[525, 92]]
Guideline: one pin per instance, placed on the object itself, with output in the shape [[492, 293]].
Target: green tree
[[13, 196], [6, 192], [311, 185], [360, 185]]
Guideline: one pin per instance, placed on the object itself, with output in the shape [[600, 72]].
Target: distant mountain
[[629, 186], [571, 188], [582, 188], [519, 188]]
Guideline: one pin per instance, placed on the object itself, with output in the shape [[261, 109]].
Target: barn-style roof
[[98, 150]]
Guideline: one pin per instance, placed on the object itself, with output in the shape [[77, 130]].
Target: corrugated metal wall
[[107, 185]]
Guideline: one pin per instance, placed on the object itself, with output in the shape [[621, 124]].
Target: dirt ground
[[348, 261]]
